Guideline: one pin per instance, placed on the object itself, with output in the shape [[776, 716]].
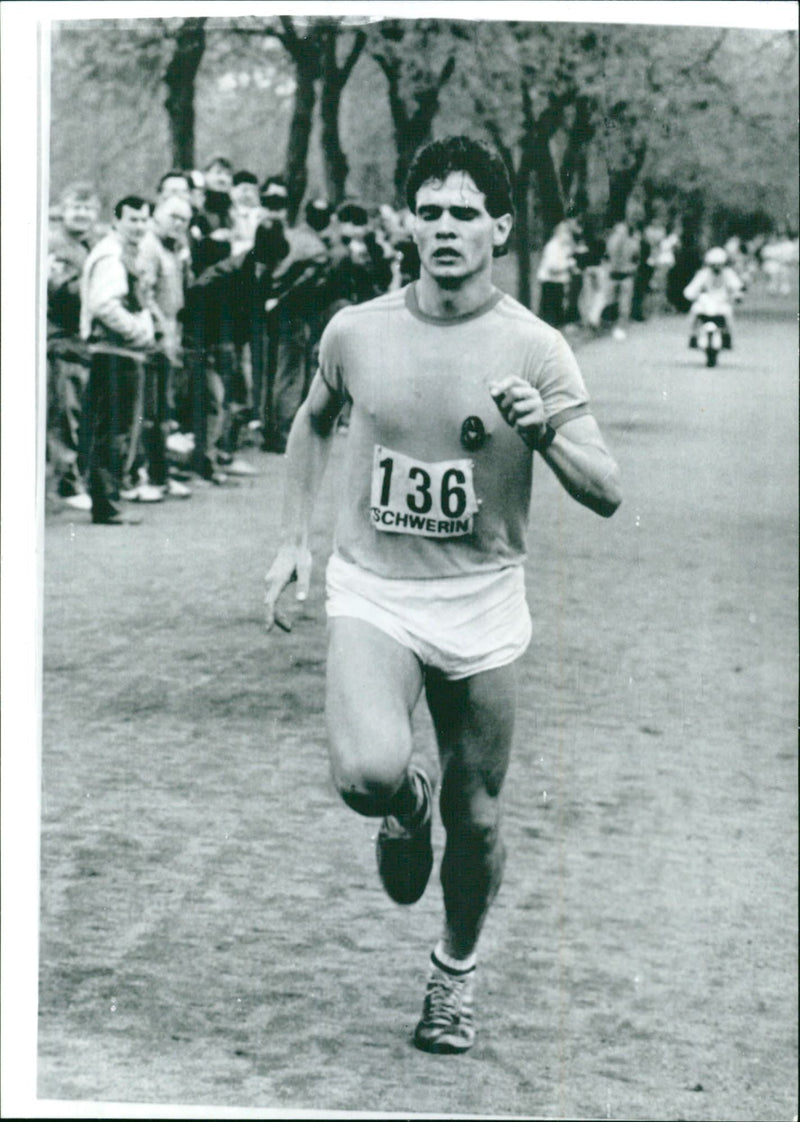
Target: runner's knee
[[368, 792], [473, 816]]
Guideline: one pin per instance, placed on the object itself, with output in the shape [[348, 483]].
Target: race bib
[[412, 497]]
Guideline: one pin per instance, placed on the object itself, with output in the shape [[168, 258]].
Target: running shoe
[[405, 855], [446, 1025]]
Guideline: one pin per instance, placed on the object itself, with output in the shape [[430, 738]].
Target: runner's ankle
[[450, 963]]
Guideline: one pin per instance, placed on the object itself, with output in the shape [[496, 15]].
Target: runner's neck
[[446, 303]]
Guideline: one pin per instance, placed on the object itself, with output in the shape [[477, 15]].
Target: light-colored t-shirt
[[435, 482]]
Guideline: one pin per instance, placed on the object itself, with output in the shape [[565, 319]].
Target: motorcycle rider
[[712, 291]]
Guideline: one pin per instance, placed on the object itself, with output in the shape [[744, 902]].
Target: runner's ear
[[501, 230]]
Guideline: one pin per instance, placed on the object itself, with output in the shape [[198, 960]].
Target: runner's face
[[454, 231]]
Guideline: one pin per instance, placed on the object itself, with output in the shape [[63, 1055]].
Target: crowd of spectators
[[186, 328], [637, 268]]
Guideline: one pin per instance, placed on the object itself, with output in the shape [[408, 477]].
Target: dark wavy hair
[[461, 153], [134, 202]]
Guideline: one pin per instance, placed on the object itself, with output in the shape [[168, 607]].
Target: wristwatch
[[546, 439]]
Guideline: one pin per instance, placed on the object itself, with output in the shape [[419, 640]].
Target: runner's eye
[[463, 213], [429, 213]]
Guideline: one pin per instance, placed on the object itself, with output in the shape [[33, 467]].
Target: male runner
[[453, 386]]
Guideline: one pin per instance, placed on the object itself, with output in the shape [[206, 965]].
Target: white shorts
[[458, 625]]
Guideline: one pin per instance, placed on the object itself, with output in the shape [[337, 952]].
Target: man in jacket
[[69, 244], [120, 332]]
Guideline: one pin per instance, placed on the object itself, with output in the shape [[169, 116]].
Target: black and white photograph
[[400, 560]]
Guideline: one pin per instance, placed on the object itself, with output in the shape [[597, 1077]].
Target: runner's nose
[[444, 227]]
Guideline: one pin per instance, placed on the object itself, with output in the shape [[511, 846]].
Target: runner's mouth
[[445, 254]]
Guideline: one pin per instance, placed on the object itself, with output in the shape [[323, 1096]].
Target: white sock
[[455, 965]]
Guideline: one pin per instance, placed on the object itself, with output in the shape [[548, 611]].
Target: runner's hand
[[291, 563], [521, 406]]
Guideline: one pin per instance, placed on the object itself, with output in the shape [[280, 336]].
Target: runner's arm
[[307, 455], [584, 466], [577, 454]]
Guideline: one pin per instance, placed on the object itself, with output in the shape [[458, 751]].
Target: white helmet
[[716, 256]]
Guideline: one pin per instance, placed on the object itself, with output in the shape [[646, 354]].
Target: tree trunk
[[179, 78], [522, 190], [550, 205], [575, 164], [411, 130], [621, 182], [334, 79], [300, 135]]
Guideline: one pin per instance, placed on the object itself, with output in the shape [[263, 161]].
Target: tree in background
[[417, 59], [179, 77], [312, 45], [334, 80], [586, 116], [529, 83], [134, 59]]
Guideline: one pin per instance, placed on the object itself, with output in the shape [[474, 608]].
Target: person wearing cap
[[713, 291]]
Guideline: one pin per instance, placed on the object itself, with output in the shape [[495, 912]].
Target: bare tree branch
[[359, 42]]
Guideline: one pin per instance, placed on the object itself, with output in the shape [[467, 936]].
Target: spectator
[[319, 216], [121, 334], [246, 211], [580, 252], [594, 288], [69, 245], [555, 270], [296, 289], [214, 220], [225, 310], [688, 258], [650, 237], [244, 189], [197, 185], [663, 262], [361, 267], [623, 250], [163, 265], [175, 182]]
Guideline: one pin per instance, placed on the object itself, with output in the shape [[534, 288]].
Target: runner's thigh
[[373, 684]]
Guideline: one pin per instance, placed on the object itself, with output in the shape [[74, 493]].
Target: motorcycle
[[710, 337]]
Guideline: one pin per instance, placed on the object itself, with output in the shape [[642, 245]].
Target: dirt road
[[213, 932]]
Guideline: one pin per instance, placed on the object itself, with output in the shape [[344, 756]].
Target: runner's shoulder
[[522, 321], [354, 314]]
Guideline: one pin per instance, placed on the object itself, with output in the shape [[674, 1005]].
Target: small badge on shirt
[[473, 434], [413, 497]]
